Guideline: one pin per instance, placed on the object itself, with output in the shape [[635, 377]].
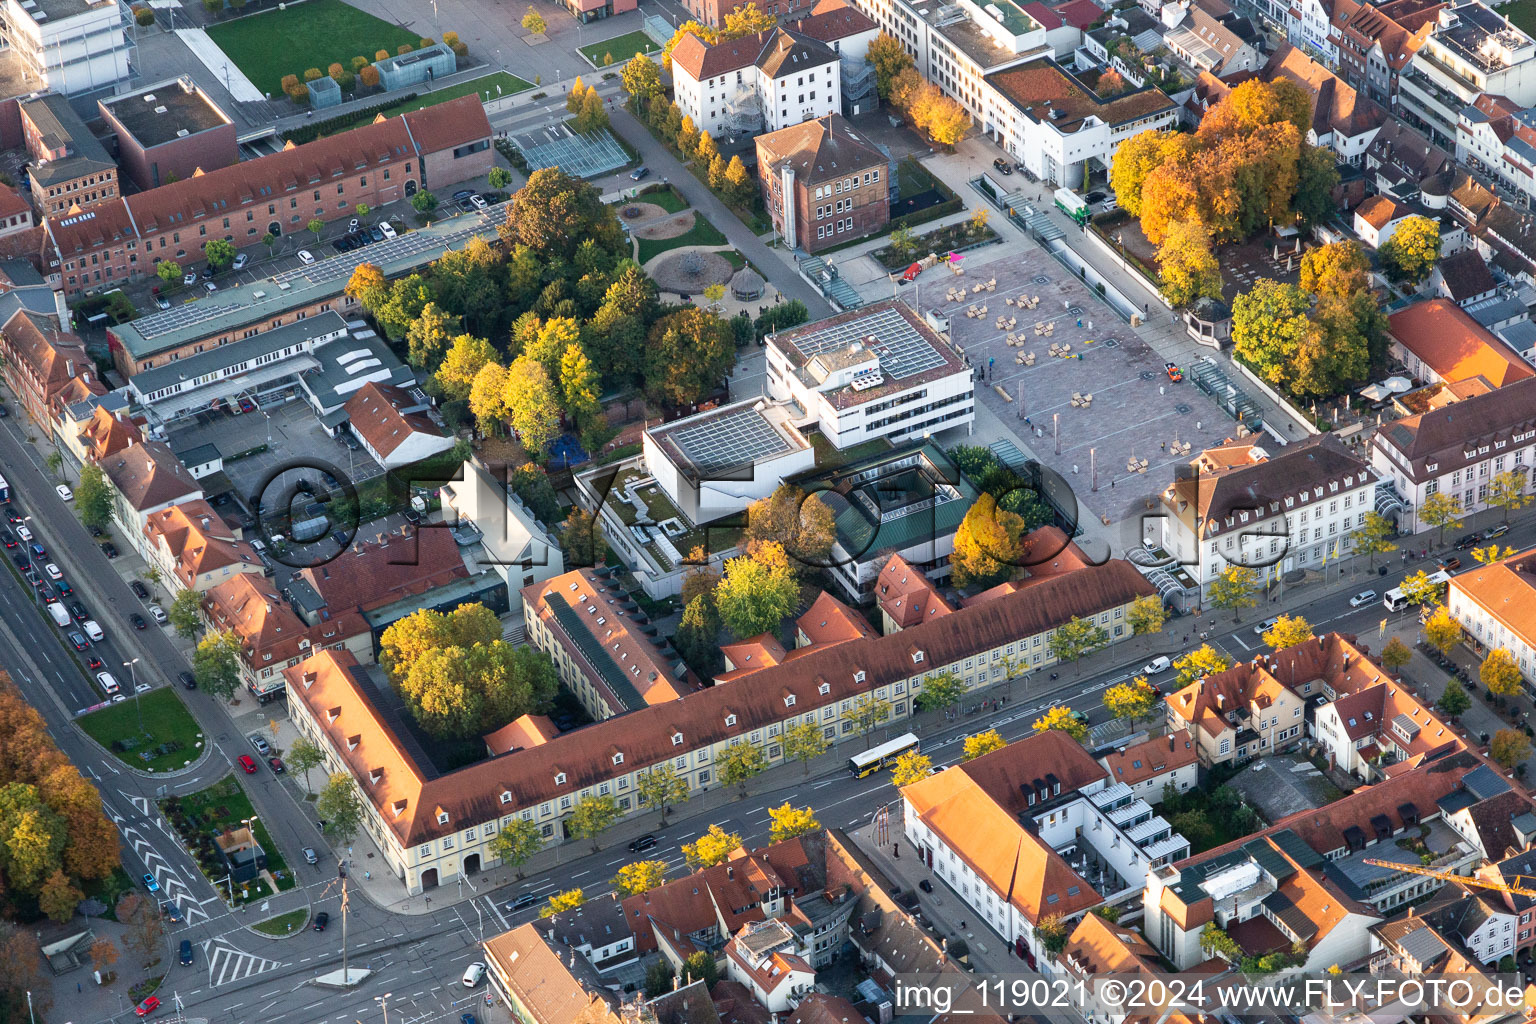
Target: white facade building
[[1295, 508], [1471, 50], [758, 83], [877, 371], [69, 46], [1496, 605], [1311, 28]]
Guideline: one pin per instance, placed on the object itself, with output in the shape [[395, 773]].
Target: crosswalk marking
[[227, 964]]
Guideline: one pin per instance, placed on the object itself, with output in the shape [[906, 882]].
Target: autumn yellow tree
[[746, 20], [988, 544], [787, 822], [1338, 270], [982, 743], [1288, 631], [1188, 268], [641, 876], [1203, 661], [1064, 719], [911, 767], [1500, 673], [711, 848], [1442, 631], [1132, 701], [687, 28]]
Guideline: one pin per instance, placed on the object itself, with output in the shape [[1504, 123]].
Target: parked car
[[474, 973], [352, 224], [276, 764], [478, 203], [150, 883], [1094, 197], [158, 614], [241, 259], [247, 764], [386, 229], [109, 549], [208, 272], [139, 590], [210, 287], [147, 1007], [1364, 597], [467, 1018], [246, 405], [187, 679], [321, 920], [138, 621], [162, 302], [189, 279], [1002, 166], [171, 912], [64, 492], [925, 885], [262, 746], [306, 257], [376, 234], [639, 173], [1467, 540]]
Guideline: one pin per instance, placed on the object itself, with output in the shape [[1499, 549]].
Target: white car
[[352, 225], [474, 974], [189, 280], [158, 614], [1364, 597], [53, 571], [210, 287], [306, 257], [477, 202], [109, 686], [386, 229], [1265, 626], [65, 493], [24, 533], [241, 259], [1155, 666]]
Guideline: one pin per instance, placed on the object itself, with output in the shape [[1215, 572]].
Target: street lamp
[[133, 680], [383, 1002]]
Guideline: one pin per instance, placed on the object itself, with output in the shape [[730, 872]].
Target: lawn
[[314, 34], [1522, 13], [702, 233], [622, 47], [282, 924], [208, 812], [168, 726], [508, 84], [664, 196]]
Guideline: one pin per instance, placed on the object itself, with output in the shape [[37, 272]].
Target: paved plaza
[[1076, 385]]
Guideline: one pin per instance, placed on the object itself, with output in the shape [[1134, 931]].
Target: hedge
[[312, 131]]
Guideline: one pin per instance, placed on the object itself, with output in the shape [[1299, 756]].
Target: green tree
[[429, 336], [93, 497], [54, 461], [1454, 701], [889, 58], [1146, 615], [1500, 673], [581, 537], [1419, 589], [592, 816], [169, 273], [1071, 640], [1269, 327], [659, 978], [186, 613], [641, 876], [661, 788], [1509, 748], [867, 712], [940, 692], [270, 241], [1133, 701], [316, 226], [498, 178], [1442, 631], [1051, 931], [805, 742], [219, 253], [1288, 631], [1506, 491], [1412, 251], [911, 767], [304, 755], [711, 848], [339, 807], [1440, 510], [700, 966], [641, 77], [423, 202], [532, 408], [467, 355], [1395, 655], [687, 355], [1203, 661], [553, 214], [738, 763], [903, 242], [216, 663], [1371, 538], [518, 840], [787, 822], [982, 743], [757, 592], [698, 636], [1235, 588], [560, 902]]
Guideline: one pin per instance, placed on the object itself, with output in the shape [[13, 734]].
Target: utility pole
[[346, 976]]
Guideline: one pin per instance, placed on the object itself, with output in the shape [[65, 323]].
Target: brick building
[[376, 164], [41, 362], [823, 183], [167, 131], [69, 167]]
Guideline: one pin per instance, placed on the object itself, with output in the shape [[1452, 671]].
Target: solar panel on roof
[[903, 350], [734, 440]]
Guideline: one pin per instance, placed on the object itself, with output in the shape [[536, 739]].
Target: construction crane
[[1519, 885]]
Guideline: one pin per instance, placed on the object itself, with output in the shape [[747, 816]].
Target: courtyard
[[316, 34], [1081, 391]]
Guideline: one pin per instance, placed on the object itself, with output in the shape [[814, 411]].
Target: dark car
[[639, 173], [64, 588], [97, 531], [139, 590], [13, 517], [412, 516], [645, 842], [925, 885], [1469, 540], [138, 621], [1095, 197], [276, 764], [21, 561], [187, 680], [80, 642], [462, 194], [186, 952], [109, 549], [524, 901], [208, 272], [376, 234], [9, 538], [94, 663], [321, 920], [78, 611], [467, 1018], [1002, 166]]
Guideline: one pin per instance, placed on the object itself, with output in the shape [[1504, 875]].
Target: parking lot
[[292, 435], [1077, 385]]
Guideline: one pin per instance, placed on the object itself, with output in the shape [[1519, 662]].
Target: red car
[[147, 1007], [1174, 373], [247, 764], [247, 405], [94, 662]]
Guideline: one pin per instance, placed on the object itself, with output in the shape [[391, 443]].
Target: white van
[[108, 685], [93, 630], [59, 615]]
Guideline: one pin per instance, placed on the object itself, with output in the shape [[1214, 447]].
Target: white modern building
[[877, 371], [1050, 122], [1273, 511], [1471, 50], [757, 83], [1309, 26], [512, 541], [69, 46]]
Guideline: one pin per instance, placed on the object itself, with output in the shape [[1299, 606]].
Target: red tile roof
[[907, 595], [377, 418], [148, 475], [1454, 345], [1159, 755], [387, 568], [198, 540], [446, 126], [832, 19]]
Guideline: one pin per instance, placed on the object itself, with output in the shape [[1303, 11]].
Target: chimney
[[1170, 741], [69, 367]]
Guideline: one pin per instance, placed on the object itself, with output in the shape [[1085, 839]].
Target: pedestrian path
[[227, 964]]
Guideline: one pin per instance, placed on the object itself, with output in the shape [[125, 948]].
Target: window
[[789, 700], [448, 843], [677, 739], [560, 778], [730, 720], [442, 817], [618, 758]]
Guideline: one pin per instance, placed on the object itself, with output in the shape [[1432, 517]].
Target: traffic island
[[283, 924], [153, 733], [233, 850]]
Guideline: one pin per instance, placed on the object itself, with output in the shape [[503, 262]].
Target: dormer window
[[824, 689], [730, 720], [374, 775], [559, 778], [677, 739], [353, 741], [506, 797], [442, 817], [789, 700], [858, 676], [618, 757], [917, 657]]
